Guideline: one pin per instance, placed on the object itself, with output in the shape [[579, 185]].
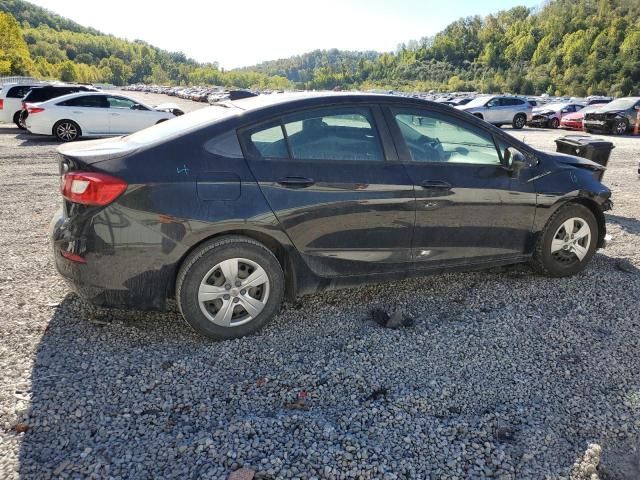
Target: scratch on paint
[[184, 170]]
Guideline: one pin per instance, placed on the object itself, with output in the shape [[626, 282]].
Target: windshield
[[621, 103], [183, 124], [553, 106], [478, 102]]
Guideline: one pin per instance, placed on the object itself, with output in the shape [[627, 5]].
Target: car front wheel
[[555, 123], [620, 127], [567, 243], [229, 287]]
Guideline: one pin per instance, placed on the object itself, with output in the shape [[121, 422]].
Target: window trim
[[403, 149], [385, 140]]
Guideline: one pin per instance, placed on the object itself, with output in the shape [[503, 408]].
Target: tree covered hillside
[[60, 48], [573, 47]]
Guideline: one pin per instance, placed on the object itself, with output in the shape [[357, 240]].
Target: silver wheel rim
[[67, 131], [234, 292], [519, 121], [571, 241], [621, 128]]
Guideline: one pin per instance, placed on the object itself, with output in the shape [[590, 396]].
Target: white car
[[550, 115], [90, 114], [11, 95]]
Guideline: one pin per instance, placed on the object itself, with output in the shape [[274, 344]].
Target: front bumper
[[539, 121], [603, 125]]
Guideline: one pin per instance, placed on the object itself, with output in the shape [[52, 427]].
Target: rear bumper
[[112, 276]]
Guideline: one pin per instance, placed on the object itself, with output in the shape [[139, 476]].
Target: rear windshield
[[183, 124], [19, 91]]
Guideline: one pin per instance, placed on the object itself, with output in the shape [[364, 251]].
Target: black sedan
[[231, 207], [617, 117]]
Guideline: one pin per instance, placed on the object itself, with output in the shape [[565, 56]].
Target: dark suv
[[617, 117], [47, 92]]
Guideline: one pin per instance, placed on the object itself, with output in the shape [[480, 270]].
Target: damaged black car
[[230, 208], [617, 117]]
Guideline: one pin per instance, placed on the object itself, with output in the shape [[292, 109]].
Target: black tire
[[564, 264], [16, 120], [519, 121], [198, 265], [22, 120], [620, 127], [64, 130], [588, 130], [554, 123]]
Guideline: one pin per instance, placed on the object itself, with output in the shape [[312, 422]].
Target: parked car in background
[[229, 208], [573, 121], [500, 110], [89, 114], [550, 115], [47, 92], [11, 95], [617, 117]]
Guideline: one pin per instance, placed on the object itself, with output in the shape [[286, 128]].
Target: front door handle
[[439, 184], [296, 182]]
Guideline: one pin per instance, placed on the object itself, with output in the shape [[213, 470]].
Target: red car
[[573, 121]]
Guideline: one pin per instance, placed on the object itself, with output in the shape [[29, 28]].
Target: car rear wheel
[[22, 120], [554, 123], [567, 243], [620, 127], [229, 288], [519, 121], [16, 120], [66, 130]]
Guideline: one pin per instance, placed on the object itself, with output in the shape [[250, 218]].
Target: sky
[[247, 32]]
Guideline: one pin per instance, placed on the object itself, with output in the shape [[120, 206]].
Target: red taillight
[[74, 257], [33, 110], [1, 103], [88, 188]]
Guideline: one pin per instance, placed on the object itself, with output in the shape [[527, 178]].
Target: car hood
[[94, 151], [574, 161]]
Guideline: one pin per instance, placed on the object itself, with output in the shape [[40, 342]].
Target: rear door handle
[[436, 184], [296, 182]]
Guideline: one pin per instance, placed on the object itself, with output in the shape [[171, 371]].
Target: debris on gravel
[[505, 374]]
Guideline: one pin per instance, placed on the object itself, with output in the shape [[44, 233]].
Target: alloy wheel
[[66, 131], [571, 241], [519, 121], [620, 127], [234, 292]]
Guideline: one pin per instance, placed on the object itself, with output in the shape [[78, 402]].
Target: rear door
[[330, 177], [91, 112], [469, 208]]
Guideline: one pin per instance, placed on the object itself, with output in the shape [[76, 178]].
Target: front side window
[[433, 137], [119, 102], [340, 133]]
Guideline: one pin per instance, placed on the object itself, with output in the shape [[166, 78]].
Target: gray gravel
[[505, 374]]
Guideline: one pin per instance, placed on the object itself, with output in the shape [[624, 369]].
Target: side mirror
[[517, 160], [136, 106]]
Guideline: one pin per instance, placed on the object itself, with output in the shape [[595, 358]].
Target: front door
[[124, 118], [469, 207], [347, 209]]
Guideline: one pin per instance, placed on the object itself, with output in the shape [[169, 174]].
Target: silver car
[[500, 110]]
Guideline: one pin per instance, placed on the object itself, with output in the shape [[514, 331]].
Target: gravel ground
[[504, 375]]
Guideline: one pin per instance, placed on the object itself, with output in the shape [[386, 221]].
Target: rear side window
[[19, 91], [96, 101], [270, 143], [341, 133]]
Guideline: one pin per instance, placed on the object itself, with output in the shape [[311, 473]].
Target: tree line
[[565, 47]]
